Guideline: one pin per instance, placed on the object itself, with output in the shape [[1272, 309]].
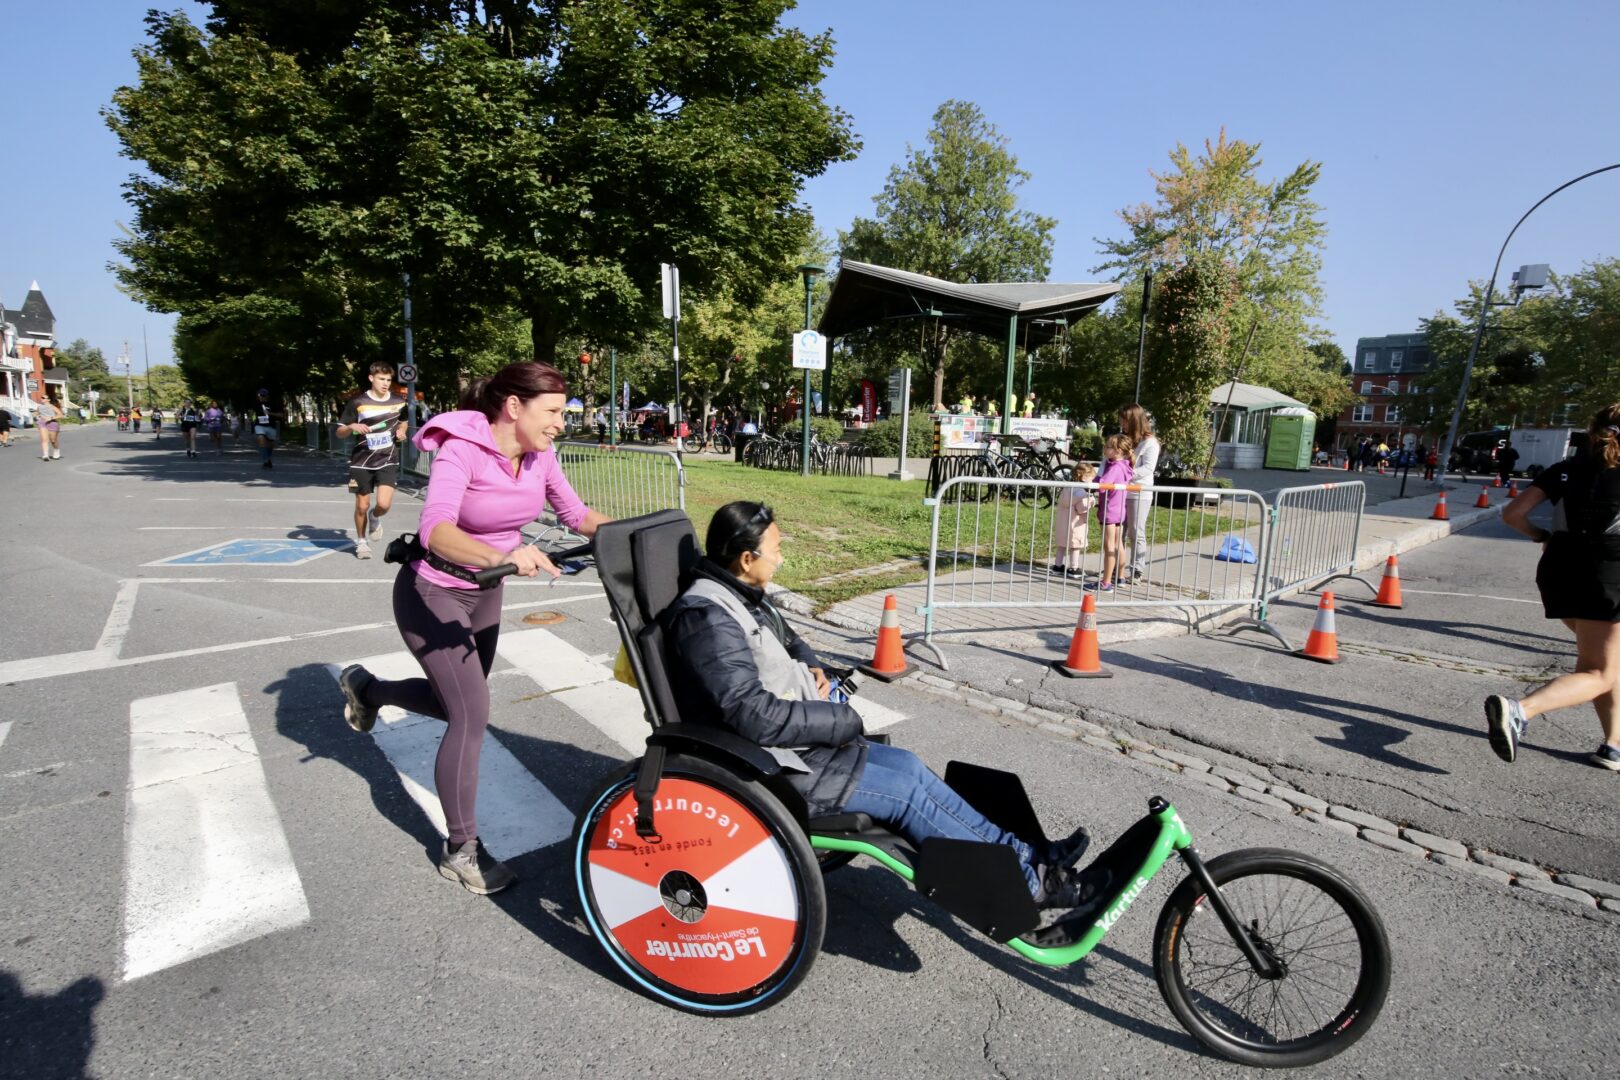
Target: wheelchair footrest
[[1122, 860], [981, 884]]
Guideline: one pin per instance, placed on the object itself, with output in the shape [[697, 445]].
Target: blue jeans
[[899, 791]]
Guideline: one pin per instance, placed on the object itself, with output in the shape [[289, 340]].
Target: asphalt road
[[388, 970]]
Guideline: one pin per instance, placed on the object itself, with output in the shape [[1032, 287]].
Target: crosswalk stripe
[[207, 863], [580, 683], [516, 812]]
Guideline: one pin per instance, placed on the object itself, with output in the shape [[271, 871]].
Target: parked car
[[1475, 452]]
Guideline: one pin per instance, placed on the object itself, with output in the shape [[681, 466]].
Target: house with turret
[[28, 372]]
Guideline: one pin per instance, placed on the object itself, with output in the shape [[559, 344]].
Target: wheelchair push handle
[[488, 577]]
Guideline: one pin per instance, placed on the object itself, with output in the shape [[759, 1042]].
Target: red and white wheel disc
[[745, 920]]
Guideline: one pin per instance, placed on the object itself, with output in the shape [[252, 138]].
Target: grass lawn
[[849, 536]]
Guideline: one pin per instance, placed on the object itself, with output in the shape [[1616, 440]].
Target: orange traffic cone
[[1083, 662], [1323, 644], [1496, 481], [1513, 489], [1440, 510], [1484, 500], [1389, 590], [889, 658]]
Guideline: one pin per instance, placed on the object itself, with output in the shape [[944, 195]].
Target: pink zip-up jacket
[[1111, 504], [472, 486]]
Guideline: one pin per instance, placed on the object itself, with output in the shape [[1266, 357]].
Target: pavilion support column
[[1008, 402]]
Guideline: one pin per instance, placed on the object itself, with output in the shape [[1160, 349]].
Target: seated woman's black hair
[[735, 528]]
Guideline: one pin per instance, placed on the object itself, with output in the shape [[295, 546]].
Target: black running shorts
[[365, 481]]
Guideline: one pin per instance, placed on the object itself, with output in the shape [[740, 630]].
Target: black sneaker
[[1507, 725], [1067, 852], [1607, 756], [476, 869], [353, 681], [1064, 887]]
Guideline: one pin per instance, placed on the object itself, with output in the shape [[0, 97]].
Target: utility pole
[[129, 383]]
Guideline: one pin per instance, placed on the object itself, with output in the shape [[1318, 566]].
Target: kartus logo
[[1112, 915]]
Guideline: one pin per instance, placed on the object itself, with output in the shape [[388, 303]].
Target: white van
[[1541, 448]]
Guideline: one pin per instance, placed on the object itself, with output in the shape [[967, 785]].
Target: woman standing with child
[[1111, 508], [1134, 423]]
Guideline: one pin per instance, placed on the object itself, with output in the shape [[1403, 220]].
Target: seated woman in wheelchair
[[735, 659]]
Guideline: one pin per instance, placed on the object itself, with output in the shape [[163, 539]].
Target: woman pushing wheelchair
[[736, 661]]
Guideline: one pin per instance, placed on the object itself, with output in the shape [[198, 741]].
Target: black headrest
[[641, 562]]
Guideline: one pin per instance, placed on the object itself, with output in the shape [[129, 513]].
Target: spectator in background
[[5, 427], [1134, 423], [1507, 460], [1073, 516], [1111, 508]]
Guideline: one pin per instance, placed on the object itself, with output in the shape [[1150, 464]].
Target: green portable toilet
[[1289, 444]]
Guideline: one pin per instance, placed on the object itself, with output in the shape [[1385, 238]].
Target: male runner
[[157, 422], [265, 419], [376, 417]]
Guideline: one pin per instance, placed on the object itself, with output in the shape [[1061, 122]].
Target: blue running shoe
[[1607, 756]]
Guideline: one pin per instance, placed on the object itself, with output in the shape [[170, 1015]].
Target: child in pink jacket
[[1111, 506]]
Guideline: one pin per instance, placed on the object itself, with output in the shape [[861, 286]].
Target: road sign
[[672, 291], [809, 351], [32, 385], [407, 373], [896, 383]]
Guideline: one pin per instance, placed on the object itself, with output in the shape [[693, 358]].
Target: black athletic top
[[378, 449]]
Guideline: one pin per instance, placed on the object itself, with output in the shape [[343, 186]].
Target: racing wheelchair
[[700, 871]]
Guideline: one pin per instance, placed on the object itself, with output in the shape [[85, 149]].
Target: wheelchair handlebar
[[488, 577]]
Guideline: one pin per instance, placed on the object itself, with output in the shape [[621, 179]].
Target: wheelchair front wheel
[[1305, 915], [725, 912]]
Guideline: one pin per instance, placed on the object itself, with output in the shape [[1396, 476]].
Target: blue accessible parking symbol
[[257, 553]]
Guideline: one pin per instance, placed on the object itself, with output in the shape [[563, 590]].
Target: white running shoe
[[362, 550], [56, 455], [373, 526]]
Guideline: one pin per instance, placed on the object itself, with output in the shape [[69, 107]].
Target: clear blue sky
[[1437, 124]]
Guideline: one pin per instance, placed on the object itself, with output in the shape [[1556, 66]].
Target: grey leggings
[[452, 634]]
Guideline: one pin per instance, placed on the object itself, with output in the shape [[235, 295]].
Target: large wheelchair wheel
[[1304, 915], [725, 913]]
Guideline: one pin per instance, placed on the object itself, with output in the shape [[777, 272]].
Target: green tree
[[520, 160], [87, 367], [1228, 246], [165, 388], [951, 211]]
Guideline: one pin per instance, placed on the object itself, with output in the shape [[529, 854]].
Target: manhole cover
[[544, 618]]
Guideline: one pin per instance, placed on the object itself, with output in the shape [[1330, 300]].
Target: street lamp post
[[1479, 328], [810, 271]]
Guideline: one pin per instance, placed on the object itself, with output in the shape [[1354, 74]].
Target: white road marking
[[1471, 596], [76, 663], [875, 717], [207, 863], [586, 687], [516, 812], [215, 528], [5, 729], [117, 627]]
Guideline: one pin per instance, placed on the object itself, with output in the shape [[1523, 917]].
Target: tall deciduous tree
[[951, 211], [1216, 221], [527, 157]]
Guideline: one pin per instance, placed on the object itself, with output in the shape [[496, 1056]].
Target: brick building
[[27, 369], [1384, 371]]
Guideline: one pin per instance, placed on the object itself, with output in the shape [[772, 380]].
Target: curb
[[1257, 787]]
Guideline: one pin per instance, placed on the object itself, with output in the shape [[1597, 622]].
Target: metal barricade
[[1314, 536], [622, 481], [997, 543]]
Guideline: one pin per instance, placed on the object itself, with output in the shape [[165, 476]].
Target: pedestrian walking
[[49, 419], [157, 422], [1507, 460], [1073, 520], [375, 417], [1111, 508], [5, 428], [1579, 579], [494, 471], [266, 419], [190, 419], [135, 419], [1136, 426]]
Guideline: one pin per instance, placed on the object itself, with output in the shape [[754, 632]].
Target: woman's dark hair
[[524, 380], [735, 528]]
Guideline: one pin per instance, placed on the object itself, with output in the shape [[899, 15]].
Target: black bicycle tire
[[1348, 1024], [803, 869]]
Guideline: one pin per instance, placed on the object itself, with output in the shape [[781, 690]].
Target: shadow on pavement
[[47, 1036]]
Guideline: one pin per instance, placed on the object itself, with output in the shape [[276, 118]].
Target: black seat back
[[642, 561]]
